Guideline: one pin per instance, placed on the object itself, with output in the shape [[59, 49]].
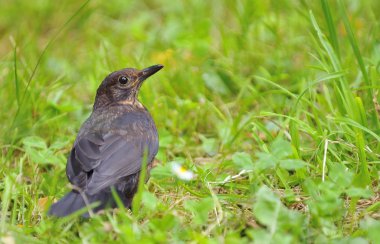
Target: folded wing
[[99, 161]]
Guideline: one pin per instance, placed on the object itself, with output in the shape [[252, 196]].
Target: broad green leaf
[[359, 192], [209, 145], [281, 148], [215, 83], [161, 171], [34, 142], [200, 209], [340, 174], [372, 227], [164, 223], [243, 160], [149, 200], [265, 161], [267, 207], [292, 164]]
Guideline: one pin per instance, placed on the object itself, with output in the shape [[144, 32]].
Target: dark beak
[[145, 73]]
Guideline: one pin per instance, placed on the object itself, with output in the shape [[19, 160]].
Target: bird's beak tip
[[145, 73]]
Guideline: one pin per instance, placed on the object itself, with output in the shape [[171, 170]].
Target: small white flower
[[182, 172]]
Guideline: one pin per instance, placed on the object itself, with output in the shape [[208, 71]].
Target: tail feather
[[69, 204], [73, 201]]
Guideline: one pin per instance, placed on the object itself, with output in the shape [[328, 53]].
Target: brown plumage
[[110, 145]]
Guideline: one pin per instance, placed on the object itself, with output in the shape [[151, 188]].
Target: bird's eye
[[123, 80]]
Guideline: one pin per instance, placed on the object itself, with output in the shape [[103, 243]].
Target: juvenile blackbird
[[111, 145]]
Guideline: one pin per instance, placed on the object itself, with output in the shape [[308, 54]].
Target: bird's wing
[[84, 157], [97, 162]]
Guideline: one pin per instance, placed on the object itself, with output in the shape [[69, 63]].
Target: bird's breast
[[130, 121]]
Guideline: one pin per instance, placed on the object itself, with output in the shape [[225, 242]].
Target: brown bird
[[111, 145]]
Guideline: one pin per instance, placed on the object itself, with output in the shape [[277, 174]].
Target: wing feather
[[97, 161]]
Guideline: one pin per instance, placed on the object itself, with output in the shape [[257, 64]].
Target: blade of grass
[[136, 203], [117, 199], [363, 178], [344, 96], [353, 42], [331, 26], [359, 58], [355, 124], [17, 87], [5, 200], [51, 41]]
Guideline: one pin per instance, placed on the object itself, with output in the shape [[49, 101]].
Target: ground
[[268, 112]]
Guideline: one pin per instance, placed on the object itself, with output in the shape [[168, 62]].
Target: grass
[[274, 105]]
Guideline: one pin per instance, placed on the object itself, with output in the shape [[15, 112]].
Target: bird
[[110, 147]]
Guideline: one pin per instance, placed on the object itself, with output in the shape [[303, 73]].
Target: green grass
[[274, 105]]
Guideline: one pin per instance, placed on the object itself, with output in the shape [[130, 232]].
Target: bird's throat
[[132, 102]]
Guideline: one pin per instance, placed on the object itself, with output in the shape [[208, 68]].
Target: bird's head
[[123, 86]]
